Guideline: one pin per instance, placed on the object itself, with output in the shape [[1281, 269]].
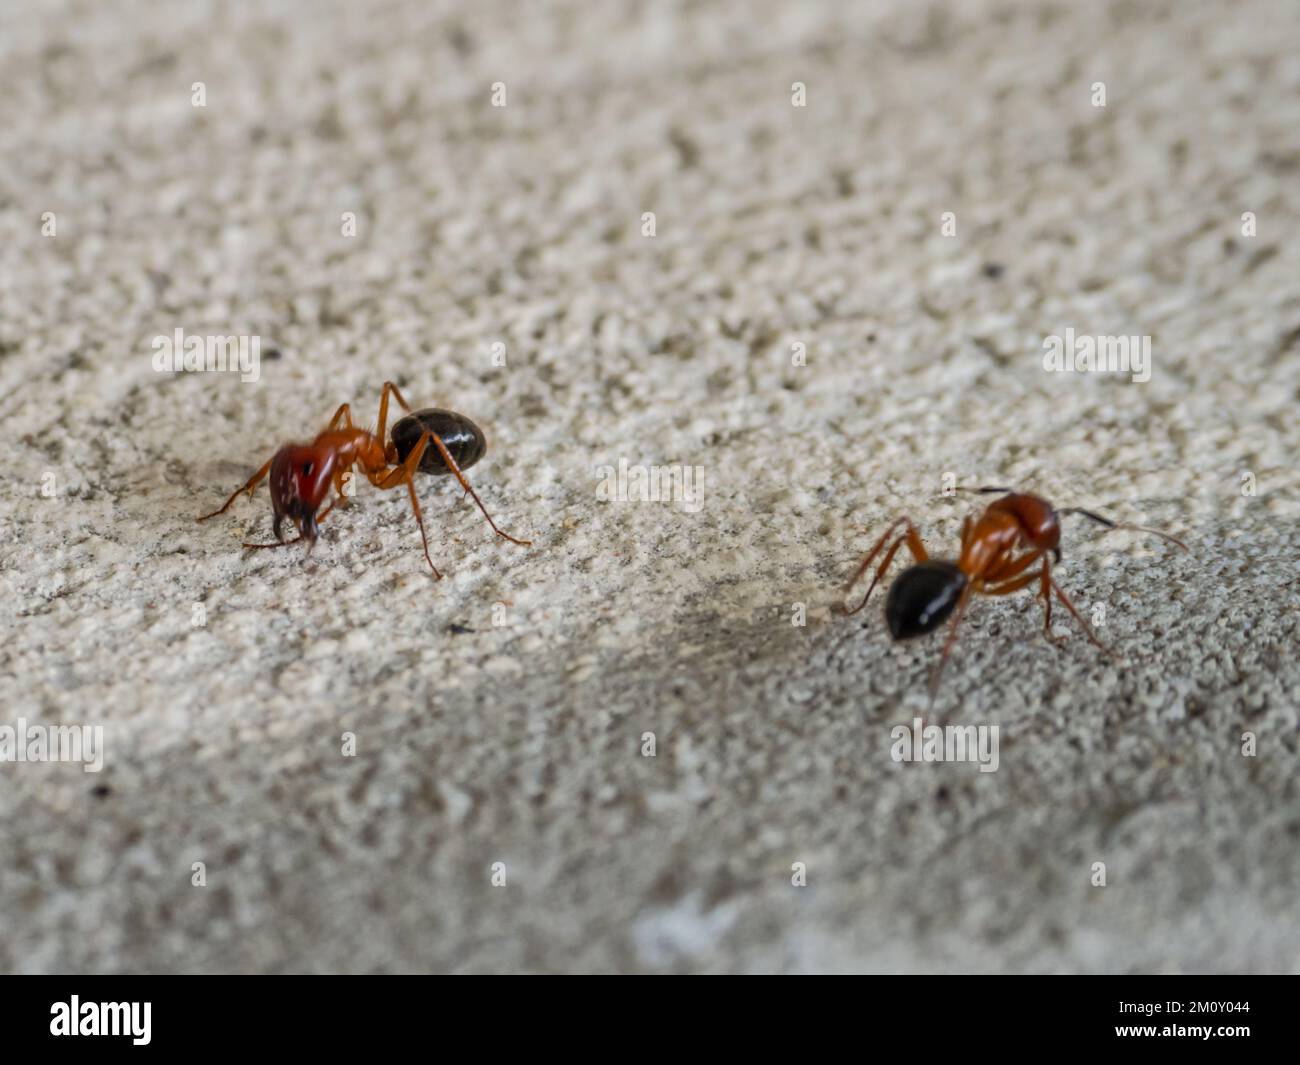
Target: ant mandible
[[998, 551], [301, 474]]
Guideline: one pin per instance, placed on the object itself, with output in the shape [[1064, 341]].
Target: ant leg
[[342, 418], [884, 566], [1112, 525], [1077, 616], [952, 639], [984, 490], [914, 544], [1008, 568], [1046, 592], [419, 519], [385, 479], [389, 387], [889, 557], [1023, 581], [451, 465], [250, 487]]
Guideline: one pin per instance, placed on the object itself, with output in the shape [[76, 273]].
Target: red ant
[[997, 549], [301, 474]]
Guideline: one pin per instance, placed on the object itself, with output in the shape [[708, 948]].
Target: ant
[[301, 474], [998, 551]]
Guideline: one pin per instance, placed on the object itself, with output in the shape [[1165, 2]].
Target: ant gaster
[[998, 552], [301, 474]]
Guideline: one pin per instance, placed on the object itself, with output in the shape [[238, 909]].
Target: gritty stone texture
[[521, 742]]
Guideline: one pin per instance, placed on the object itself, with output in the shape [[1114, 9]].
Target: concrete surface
[[516, 737]]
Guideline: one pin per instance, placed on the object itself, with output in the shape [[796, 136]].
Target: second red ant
[[999, 550], [301, 474]]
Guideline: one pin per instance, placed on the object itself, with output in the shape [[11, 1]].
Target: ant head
[[922, 597], [300, 479]]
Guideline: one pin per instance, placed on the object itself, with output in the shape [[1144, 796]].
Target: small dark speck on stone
[[272, 354], [688, 152], [458, 630], [101, 791], [993, 270], [461, 41]]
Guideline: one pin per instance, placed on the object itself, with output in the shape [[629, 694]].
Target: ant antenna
[[1111, 525], [278, 543]]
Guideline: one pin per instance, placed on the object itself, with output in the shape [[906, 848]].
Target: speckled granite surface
[[515, 735]]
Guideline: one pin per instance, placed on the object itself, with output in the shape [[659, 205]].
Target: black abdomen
[[922, 596], [465, 440]]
